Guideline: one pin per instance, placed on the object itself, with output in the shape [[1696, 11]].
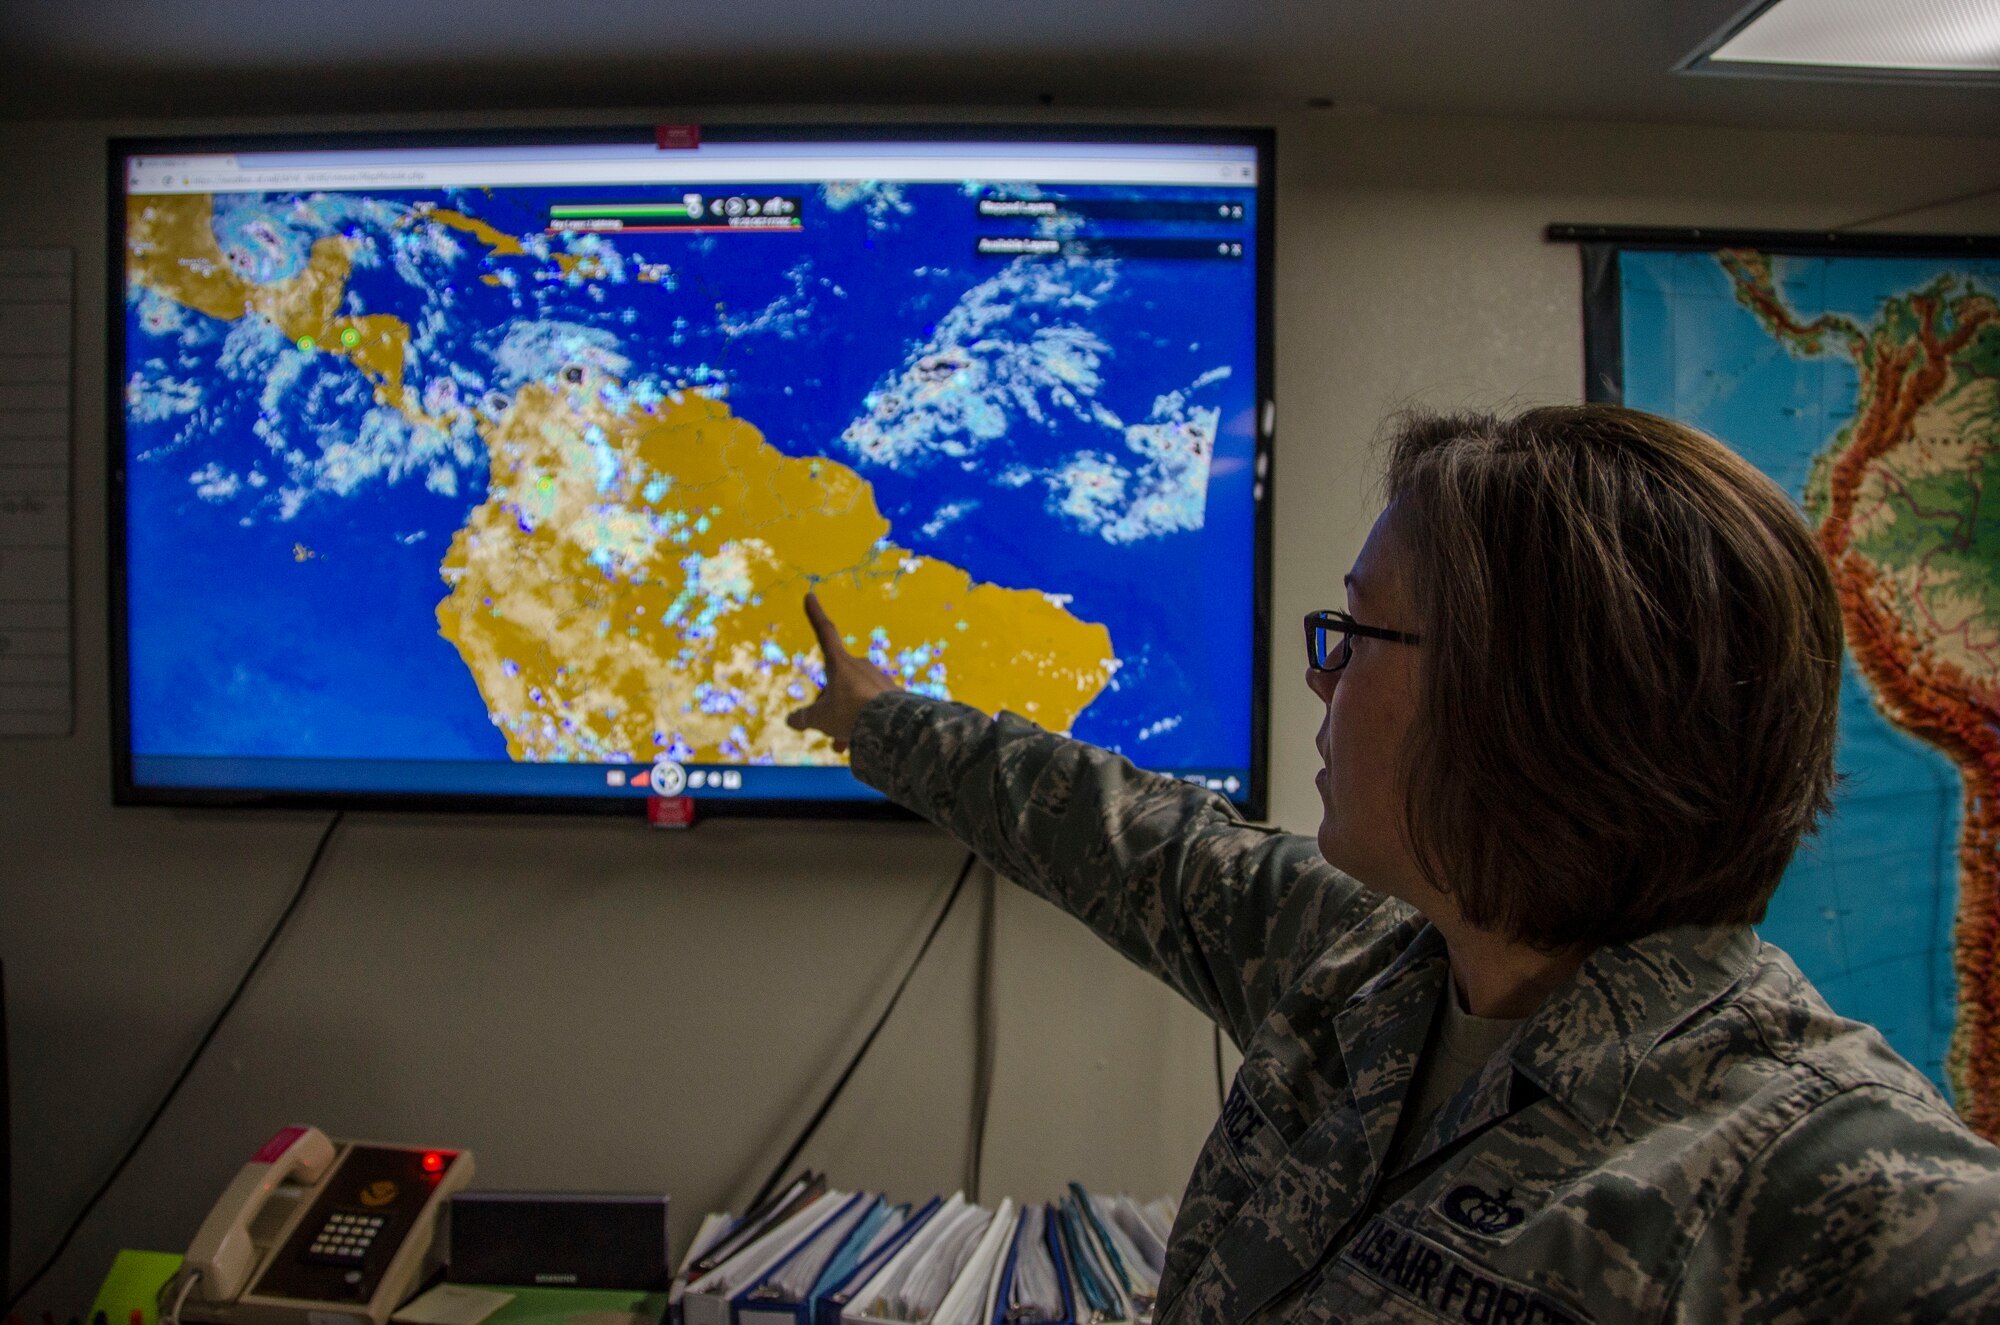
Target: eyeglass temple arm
[[1349, 626]]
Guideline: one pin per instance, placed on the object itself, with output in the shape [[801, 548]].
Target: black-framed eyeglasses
[[1330, 639]]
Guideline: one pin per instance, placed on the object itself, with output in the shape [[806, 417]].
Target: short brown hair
[[1630, 672]]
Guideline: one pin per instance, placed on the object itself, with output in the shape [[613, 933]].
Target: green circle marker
[[308, 344], [350, 337]]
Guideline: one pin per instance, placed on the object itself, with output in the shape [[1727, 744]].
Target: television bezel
[[124, 791]]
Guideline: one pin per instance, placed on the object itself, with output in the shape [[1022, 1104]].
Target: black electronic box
[[560, 1240]]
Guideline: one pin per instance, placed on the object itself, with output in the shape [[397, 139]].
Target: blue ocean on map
[[1868, 905], [284, 527]]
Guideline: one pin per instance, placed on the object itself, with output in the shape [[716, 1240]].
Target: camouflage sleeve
[[1876, 1206], [1165, 872]]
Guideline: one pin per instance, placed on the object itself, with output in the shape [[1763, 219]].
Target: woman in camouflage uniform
[[1511, 1051]]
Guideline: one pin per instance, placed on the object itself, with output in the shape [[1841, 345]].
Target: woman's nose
[[1321, 683]]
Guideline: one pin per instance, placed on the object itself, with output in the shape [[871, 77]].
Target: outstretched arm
[[1224, 911]]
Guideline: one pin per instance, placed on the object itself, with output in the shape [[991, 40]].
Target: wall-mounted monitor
[[491, 471]]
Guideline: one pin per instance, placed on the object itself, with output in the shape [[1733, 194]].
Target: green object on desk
[[573, 1306], [137, 1276], [135, 1280]]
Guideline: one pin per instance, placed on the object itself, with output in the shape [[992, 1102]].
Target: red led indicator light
[[433, 1161]]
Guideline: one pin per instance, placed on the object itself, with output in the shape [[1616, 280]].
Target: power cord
[[784, 1165], [187, 1068], [986, 1036]]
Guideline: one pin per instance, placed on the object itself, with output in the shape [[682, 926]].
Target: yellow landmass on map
[[503, 244], [170, 249], [632, 586], [584, 266]]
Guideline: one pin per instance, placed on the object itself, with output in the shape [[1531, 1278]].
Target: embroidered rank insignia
[[1475, 1208]]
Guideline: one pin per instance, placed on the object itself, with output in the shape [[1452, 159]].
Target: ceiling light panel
[[1933, 36]]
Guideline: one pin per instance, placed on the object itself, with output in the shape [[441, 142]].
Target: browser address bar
[[195, 177]]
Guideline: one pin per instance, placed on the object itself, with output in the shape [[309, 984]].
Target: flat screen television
[[491, 470]]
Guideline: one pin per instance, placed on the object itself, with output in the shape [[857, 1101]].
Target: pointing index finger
[[830, 643]]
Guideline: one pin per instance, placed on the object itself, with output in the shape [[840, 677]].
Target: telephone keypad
[[345, 1237]]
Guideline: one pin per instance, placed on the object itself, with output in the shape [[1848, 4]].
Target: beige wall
[[593, 1005]]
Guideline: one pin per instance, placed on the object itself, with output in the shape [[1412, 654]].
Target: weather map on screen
[[504, 470]]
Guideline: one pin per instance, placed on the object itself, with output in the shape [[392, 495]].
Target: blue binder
[[1052, 1238], [1105, 1246], [1100, 1292], [753, 1301], [826, 1308]]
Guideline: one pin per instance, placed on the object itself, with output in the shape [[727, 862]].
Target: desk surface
[[136, 1277]]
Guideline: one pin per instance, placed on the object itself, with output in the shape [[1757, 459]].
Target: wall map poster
[[1864, 377]]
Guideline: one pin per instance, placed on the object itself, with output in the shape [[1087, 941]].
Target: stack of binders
[[815, 1256]]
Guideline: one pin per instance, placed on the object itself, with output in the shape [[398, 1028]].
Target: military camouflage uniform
[[1684, 1131]]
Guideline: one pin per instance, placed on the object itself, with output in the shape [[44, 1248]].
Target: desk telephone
[[314, 1231]]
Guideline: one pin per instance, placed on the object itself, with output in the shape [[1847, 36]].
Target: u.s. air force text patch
[[1440, 1280], [1240, 1120]]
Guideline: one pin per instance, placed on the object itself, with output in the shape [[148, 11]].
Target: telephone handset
[[314, 1231]]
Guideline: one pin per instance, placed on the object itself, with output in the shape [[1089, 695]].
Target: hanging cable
[[1221, 1093], [986, 1035], [187, 1068], [1914, 208], [779, 1170]]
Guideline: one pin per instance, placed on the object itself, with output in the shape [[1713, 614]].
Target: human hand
[[850, 683]]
